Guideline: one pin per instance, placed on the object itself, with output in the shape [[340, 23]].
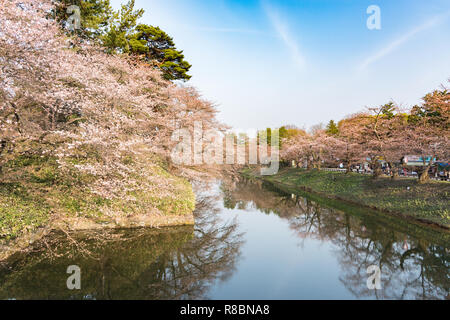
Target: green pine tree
[[94, 16], [155, 44], [119, 32], [332, 129], [121, 28]]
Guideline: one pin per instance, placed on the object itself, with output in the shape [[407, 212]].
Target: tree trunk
[[376, 172], [319, 160], [2, 149], [424, 176], [394, 171], [394, 175]]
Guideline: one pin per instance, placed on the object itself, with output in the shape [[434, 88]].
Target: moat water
[[250, 241]]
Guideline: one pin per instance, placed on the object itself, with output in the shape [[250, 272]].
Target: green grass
[[20, 210], [34, 190], [429, 201]]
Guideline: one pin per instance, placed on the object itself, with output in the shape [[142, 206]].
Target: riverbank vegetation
[[422, 202], [379, 141], [85, 131], [379, 135]]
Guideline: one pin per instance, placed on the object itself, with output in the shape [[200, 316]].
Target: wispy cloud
[[228, 30], [401, 40], [284, 34]]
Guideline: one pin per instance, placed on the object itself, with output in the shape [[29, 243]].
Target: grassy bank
[[428, 203], [36, 193]]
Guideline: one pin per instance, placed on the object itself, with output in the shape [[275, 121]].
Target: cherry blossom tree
[[382, 133], [86, 105], [428, 130]]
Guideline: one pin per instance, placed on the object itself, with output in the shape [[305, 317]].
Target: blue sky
[[270, 63]]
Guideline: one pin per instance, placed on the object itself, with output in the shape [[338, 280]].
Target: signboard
[[417, 160]]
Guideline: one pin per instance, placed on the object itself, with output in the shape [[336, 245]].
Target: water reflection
[[414, 261], [296, 246], [169, 263]]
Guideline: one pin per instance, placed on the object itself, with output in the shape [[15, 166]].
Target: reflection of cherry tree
[[419, 273], [211, 255], [170, 263], [410, 268]]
